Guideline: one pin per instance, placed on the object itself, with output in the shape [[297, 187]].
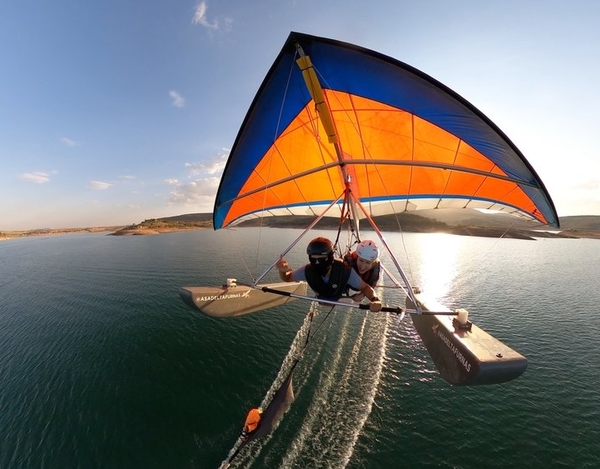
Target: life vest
[[337, 284], [371, 276], [252, 420]]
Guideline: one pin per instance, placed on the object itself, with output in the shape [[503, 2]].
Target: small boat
[[337, 130]]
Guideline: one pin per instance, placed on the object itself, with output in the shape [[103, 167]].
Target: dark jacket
[[337, 284]]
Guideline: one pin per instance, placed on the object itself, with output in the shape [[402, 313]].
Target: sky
[[117, 111]]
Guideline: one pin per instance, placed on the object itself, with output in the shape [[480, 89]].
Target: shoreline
[[4, 235], [110, 231], [157, 229]]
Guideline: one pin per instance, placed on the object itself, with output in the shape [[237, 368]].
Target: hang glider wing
[[329, 112]]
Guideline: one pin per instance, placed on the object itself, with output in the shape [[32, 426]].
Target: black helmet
[[319, 246]]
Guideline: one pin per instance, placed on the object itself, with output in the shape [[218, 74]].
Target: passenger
[[365, 260], [328, 277]]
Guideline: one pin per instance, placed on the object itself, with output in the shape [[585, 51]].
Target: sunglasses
[[317, 259]]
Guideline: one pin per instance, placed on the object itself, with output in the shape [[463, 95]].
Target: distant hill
[[167, 224], [427, 220], [403, 222], [580, 222], [462, 217], [406, 221], [466, 217], [190, 217], [463, 222]]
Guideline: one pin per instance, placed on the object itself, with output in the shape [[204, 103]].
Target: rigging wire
[[486, 253], [264, 204], [354, 119], [240, 255], [352, 237]]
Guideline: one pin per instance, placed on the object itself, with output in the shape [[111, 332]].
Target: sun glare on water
[[438, 264]]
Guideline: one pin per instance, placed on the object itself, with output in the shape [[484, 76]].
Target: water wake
[[344, 395], [338, 378]]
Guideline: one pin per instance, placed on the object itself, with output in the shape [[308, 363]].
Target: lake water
[[103, 366]]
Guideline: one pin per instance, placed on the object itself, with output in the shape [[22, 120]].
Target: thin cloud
[[589, 185], [37, 177], [200, 17], [68, 142], [197, 193], [178, 100], [100, 185], [201, 190], [214, 165]]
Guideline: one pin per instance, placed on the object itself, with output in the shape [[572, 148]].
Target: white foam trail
[[344, 397]]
